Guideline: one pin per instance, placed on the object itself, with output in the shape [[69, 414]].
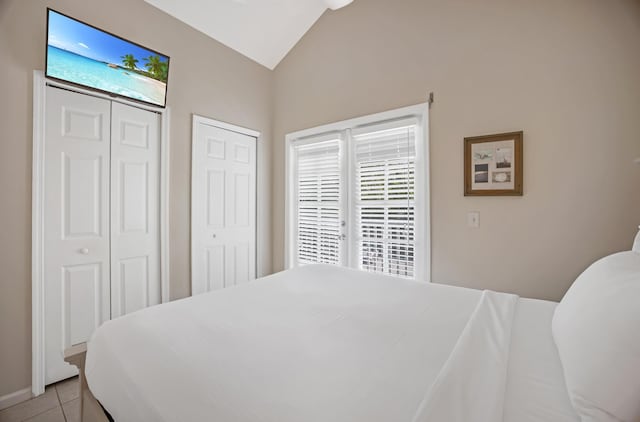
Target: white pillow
[[596, 328], [636, 243]]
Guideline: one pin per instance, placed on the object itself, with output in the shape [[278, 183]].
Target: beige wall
[[205, 78], [565, 72]]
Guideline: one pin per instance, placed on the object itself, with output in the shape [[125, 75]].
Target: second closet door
[[135, 201], [223, 206]]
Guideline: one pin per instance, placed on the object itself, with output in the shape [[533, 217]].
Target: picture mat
[[486, 153]]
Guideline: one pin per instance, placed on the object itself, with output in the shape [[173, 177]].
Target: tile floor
[[59, 403]]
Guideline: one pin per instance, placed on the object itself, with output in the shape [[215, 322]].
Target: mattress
[[317, 343]]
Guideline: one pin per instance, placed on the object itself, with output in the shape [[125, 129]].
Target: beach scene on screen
[[87, 56]]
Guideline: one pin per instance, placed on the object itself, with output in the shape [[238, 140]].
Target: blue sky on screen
[[70, 35]]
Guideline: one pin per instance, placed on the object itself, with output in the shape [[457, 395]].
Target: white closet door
[[223, 225], [76, 221], [135, 209]]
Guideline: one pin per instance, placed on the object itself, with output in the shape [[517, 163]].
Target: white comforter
[[311, 344]]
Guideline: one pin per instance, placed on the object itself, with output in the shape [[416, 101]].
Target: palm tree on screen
[[129, 61], [154, 66]]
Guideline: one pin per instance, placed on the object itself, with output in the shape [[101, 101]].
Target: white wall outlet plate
[[473, 219]]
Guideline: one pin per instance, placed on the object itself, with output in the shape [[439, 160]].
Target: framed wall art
[[493, 165]]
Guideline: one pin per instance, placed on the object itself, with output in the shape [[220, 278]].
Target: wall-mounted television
[[86, 56]]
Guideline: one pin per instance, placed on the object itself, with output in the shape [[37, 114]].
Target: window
[[357, 194]]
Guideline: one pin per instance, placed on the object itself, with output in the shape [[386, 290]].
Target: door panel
[[216, 190], [134, 134], [241, 199], [134, 197], [241, 261], [223, 222], [76, 238], [84, 125], [135, 207], [134, 284], [215, 267], [82, 212], [81, 302], [242, 154], [216, 149]]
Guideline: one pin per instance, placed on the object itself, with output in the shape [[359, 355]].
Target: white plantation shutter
[[384, 161], [318, 189], [357, 194]]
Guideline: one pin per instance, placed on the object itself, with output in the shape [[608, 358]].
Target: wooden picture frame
[[493, 165]]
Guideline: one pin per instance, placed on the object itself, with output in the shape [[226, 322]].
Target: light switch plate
[[473, 219]]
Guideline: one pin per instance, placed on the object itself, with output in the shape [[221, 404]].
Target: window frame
[[422, 216]]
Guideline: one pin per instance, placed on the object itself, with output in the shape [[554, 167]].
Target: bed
[[323, 343]]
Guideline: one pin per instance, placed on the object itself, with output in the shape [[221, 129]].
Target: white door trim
[[37, 237], [37, 216], [165, 183], [197, 119], [224, 125]]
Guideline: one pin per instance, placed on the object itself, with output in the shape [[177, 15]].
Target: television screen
[[86, 56]]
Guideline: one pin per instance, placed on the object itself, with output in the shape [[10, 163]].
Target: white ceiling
[[263, 30]]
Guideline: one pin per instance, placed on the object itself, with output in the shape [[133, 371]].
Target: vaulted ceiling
[[263, 30]]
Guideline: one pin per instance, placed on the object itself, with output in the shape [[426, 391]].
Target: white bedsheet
[[471, 384], [536, 389], [311, 344]]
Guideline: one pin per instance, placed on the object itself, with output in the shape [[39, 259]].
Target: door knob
[[84, 251]]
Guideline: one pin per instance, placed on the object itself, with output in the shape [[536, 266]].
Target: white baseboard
[[16, 397]]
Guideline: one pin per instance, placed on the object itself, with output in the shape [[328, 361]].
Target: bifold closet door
[[223, 202], [102, 218], [76, 221], [135, 209]]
